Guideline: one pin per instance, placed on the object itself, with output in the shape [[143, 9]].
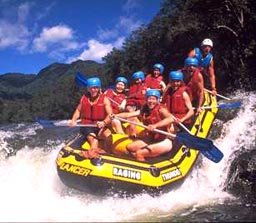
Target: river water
[[30, 190]]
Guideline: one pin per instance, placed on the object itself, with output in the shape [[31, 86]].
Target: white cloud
[[96, 50], [13, 31], [58, 38], [23, 12], [130, 5], [129, 24], [13, 35], [105, 34]]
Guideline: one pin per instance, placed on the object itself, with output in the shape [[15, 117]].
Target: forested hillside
[[51, 94], [179, 26]]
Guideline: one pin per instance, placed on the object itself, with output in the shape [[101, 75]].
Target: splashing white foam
[[31, 191]]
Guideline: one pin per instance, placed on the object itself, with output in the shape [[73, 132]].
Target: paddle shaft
[[112, 100], [219, 95], [146, 127], [85, 125], [182, 125]]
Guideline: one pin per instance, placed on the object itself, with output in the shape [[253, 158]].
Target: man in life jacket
[[155, 80], [154, 115], [177, 99], [94, 108], [195, 82], [117, 98], [138, 88], [206, 64]]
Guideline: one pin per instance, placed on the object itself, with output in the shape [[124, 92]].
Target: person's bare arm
[[200, 84], [167, 119], [192, 53], [188, 104], [212, 78], [75, 117], [108, 109]]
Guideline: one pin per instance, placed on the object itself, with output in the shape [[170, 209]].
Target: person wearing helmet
[[94, 108], [117, 98], [195, 82], [206, 64], [117, 95], [154, 115], [155, 80], [138, 88], [177, 99]]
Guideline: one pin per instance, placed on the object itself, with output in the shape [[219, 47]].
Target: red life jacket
[[136, 93], [175, 102], [153, 116], [91, 113], [115, 97], [153, 82], [192, 84]]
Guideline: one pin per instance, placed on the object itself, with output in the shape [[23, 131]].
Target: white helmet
[[207, 42]]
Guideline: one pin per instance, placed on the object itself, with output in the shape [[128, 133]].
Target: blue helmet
[[93, 82], [153, 92], [176, 75], [160, 67], [138, 74], [191, 61], [122, 79]]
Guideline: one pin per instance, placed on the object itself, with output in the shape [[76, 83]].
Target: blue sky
[[36, 33]]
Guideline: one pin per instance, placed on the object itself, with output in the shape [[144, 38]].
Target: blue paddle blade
[[204, 145], [230, 105], [214, 154], [45, 123], [80, 80]]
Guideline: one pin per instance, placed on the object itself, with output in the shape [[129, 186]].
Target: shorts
[[85, 131]]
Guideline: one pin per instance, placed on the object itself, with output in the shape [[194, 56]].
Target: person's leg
[[154, 150], [117, 126], [134, 146]]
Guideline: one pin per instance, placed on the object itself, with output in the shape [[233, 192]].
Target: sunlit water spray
[[30, 189]]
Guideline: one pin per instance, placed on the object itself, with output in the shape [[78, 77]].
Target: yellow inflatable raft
[[117, 172]]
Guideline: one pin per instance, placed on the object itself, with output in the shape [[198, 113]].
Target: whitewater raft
[[121, 173]]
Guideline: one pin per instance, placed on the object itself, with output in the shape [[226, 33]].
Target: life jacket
[[192, 84], [204, 62], [175, 103], [91, 113], [136, 93], [117, 97], [153, 82], [153, 116]]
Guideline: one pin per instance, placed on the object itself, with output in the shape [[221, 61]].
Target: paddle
[[112, 100], [213, 153], [224, 106], [80, 80], [219, 95], [51, 124], [206, 146]]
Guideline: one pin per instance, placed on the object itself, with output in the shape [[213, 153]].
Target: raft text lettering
[[134, 175], [171, 174], [75, 169]]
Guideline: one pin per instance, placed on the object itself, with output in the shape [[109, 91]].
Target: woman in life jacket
[[195, 82], [155, 80], [138, 88], [155, 116], [94, 108], [206, 64], [117, 99], [177, 99]]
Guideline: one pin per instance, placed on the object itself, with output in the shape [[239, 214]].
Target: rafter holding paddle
[[219, 95], [206, 146]]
